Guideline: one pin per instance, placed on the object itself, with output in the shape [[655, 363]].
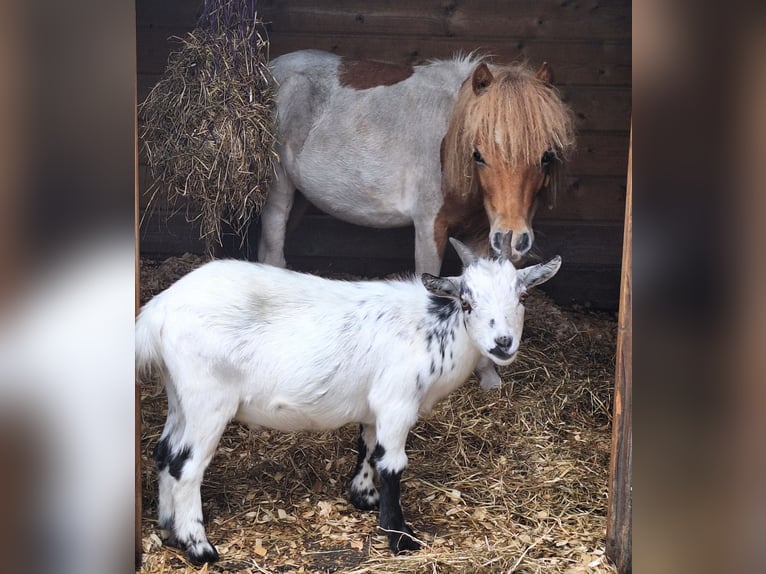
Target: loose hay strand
[[207, 127]]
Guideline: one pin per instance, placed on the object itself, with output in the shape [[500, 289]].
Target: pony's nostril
[[523, 242], [504, 342], [497, 241]]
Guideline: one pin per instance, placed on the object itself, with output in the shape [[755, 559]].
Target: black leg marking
[[361, 497], [400, 536], [162, 453], [164, 457]]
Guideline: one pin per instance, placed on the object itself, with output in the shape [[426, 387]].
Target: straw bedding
[[510, 480]]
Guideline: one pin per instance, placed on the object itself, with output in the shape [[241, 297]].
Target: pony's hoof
[[490, 380], [201, 552]]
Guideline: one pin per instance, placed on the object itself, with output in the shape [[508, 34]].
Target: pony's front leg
[[429, 249], [271, 247]]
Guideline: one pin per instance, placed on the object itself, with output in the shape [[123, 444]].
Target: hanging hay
[[208, 126], [509, 480]]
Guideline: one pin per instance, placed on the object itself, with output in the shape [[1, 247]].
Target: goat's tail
[[149, 361]]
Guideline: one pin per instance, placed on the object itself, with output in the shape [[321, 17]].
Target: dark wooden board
[[449, 18], [619, 545]]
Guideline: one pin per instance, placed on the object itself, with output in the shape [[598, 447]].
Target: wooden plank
[[138, 548], [528, 18], [620, 513], [577, 242], [166, 235], [596, 62], [599, 154], [599, 108], [531, 18], [585, 198]]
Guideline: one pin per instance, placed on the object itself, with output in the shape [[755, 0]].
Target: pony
[[452, 147]]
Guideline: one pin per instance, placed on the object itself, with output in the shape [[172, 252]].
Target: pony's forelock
[[532, 113]]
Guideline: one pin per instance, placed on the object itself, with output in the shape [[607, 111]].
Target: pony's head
[[508, 136]]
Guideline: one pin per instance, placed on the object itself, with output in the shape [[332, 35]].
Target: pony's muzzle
[[520, 244]]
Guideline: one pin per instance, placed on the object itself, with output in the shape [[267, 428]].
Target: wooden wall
[[588, 44]]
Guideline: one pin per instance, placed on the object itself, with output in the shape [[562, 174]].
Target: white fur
[[279, 349], [369, 157]]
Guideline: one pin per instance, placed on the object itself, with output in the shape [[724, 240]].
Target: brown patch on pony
[[363, 75]]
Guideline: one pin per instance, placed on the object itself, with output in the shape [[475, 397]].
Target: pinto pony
[[450, 147]]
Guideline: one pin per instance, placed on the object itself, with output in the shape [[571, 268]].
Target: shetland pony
[[449, 147]]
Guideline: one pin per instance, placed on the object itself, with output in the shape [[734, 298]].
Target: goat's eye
[[477, 157], [465, 305], [547, 158], [522, 298]]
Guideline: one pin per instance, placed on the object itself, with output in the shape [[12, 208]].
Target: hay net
[[207, 127]]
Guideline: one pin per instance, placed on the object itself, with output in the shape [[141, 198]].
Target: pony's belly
[[372, 192], [360, 209]]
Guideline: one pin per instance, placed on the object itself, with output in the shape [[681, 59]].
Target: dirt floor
[[509, 480]]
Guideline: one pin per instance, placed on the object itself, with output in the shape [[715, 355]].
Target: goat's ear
[[464, 252], [540, 273], [440, 286]]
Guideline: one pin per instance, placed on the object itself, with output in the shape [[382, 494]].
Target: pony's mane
[[531, 112]]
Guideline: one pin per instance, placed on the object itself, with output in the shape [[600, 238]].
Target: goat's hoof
[[201, 552], [401, 542]]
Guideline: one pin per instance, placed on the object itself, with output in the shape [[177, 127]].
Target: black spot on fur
[[162, 453], [381, 315], [432, 370], [491, 323], [164, 457], [378, 453], [177, 461], [442, 307]]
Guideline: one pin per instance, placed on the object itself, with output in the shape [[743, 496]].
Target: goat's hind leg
[[362, 491], [188, 444]]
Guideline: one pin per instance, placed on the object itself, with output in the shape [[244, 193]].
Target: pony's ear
[[481, 78], [466, 255], [544, 73]]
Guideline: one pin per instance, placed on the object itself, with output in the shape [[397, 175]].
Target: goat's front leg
[[363, 493], [390, 461]]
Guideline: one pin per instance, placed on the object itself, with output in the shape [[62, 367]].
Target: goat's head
[[491, 294]]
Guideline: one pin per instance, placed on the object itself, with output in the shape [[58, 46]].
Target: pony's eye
[[478, 158], [465, 305], [547, 158], [522, 298]]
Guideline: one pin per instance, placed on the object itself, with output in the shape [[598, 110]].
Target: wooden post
[[620, 514], [137, 540]]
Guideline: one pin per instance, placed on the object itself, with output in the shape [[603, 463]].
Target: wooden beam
[[620, 513], [137, 454]]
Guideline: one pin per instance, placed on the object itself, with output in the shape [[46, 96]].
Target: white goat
[[274, 348]]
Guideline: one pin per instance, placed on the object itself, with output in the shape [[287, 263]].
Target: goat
[[268, 347]]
